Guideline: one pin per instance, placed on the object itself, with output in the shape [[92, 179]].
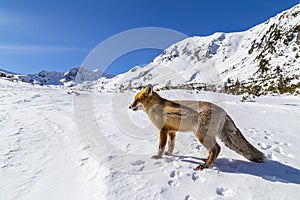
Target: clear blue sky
[[57, 34]]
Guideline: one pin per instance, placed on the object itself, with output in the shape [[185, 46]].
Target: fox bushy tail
[[233, 138]]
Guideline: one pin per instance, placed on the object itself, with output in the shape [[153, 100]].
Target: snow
[[46, 154]]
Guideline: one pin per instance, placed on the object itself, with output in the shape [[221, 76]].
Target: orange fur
[[205, 119]]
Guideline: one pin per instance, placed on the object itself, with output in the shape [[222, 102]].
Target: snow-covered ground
[[58, 144]]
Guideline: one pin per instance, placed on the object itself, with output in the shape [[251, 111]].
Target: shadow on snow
[[273, 171]]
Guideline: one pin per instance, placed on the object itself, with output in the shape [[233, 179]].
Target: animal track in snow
[[223, 191], [189, 197], [280, 151], [282, 143], [111, 157], [271, 156], [197, 178], [252, 130], [173, 183], [275, 148], [138, 162], [264, 146], [82, 161], [35, 96], [267, 137], [175, 174], [10, 153]]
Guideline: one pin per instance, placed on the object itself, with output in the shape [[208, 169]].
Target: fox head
[[141, 98]]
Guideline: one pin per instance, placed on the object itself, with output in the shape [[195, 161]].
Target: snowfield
[[49, 148]]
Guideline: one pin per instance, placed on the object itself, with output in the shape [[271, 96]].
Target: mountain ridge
[[261, 60], [75, 75]]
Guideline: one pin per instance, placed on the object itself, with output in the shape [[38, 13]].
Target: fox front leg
[[171, 143], [163, 135]]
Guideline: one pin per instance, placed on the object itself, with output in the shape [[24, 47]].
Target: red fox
[[205, 119]]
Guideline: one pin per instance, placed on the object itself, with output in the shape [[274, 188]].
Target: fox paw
[[201, 167], [155, 157], [167, 153]]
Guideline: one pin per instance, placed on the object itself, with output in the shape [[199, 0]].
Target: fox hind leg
[[171, 143], [213, 154], [213, 148]]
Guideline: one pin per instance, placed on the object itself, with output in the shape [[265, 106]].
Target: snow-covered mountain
[[260, 60], [75, 75]]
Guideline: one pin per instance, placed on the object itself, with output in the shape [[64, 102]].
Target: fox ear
[[149, 89]]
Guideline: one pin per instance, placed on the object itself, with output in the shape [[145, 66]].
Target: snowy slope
[[265, 58], [43, 155]]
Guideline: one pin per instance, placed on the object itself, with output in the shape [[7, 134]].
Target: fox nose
[[130, 107]]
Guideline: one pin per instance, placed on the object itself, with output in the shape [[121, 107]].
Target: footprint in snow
[[264, 146], [271, 156], [86, 147], [278, 150], [223, 191], [4, 165], [173, 183], [36, 96], [138, 162], [267, 137], [109, 158], [11, 151], [197, 178], [283, 143], [175, 174], [189, 197], [22, 101], [17, 132], [157, 163], [277, 147], [82, 161]]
